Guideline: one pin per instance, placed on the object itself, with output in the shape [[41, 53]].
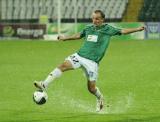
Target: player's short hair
[[101, 12]]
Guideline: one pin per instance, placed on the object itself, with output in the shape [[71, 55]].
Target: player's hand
[[61, 38], [141, 28]]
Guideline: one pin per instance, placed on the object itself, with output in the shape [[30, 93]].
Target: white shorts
[[90, 67]]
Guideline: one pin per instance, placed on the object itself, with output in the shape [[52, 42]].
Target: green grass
[[129, 77]]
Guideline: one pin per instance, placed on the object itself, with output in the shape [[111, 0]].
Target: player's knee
[[91, 89], [63, 67]]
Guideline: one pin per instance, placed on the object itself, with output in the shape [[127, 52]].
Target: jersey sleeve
[[114, 31], [82, 33]]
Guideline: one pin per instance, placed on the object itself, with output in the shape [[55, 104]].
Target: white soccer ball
[[40, 97]]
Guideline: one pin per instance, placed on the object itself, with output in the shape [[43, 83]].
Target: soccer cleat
[[100, 104], [40, 85]]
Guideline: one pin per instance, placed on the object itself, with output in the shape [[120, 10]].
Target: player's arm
[[73, 37], [132, 30]]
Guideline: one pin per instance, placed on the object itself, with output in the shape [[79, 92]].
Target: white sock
[[52, 76], [98, 93]]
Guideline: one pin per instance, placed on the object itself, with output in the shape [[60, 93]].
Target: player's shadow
[[145, 119], [129, 119], [86, 117]]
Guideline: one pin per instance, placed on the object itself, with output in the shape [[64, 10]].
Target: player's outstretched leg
[[56, 73], [95, 91]]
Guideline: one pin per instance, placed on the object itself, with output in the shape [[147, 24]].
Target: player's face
[[97, 19]]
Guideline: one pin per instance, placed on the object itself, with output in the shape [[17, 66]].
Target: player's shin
[[98, 93], [52, 76]]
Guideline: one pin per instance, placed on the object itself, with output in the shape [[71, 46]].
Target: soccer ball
[[40, 97]]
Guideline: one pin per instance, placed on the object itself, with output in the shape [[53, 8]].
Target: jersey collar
[[99, 27]]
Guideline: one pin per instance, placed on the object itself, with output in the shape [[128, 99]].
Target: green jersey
[[96, 41]]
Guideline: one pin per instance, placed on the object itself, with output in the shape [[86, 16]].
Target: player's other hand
[[60, 38], [142, 28]]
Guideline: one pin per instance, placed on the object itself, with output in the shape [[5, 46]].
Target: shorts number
[[74, 59], [91, 74]]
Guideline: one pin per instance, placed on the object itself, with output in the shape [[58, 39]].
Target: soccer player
[[96, 40]]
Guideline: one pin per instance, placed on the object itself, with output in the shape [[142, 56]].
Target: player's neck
[[99, 26]]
